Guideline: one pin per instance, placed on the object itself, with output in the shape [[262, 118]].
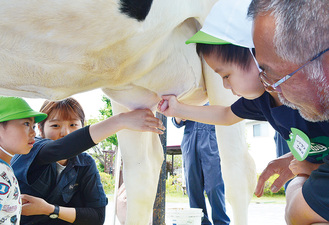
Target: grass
[[277, 199], [176, 198], [174, 194]]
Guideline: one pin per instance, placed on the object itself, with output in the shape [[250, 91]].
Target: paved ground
[[265, 213]]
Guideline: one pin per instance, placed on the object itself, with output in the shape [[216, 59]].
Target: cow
[[134, 50]]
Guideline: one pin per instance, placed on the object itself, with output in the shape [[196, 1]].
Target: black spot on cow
[[137, 9]]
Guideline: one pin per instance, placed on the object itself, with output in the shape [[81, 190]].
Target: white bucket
[[183, 216]]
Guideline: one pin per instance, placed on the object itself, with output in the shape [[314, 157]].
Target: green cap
[[13, 108], [204, 38]]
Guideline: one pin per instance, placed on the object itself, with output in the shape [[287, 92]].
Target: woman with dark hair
[[60, 184]]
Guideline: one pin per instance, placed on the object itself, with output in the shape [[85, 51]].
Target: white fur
[[53, 49]]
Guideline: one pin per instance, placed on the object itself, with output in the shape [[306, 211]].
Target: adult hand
[[277, 166], [35, 206], [142, 120], [179, 120]]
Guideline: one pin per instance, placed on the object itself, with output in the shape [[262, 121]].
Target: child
[[65, 180], [17, 121], [224, 42]]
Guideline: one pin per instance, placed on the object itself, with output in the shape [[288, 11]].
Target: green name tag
[[299, 144]]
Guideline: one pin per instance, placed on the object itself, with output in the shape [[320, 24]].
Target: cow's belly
[[134, 97]]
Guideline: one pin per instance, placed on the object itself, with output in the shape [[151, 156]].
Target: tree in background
[[104, 152]]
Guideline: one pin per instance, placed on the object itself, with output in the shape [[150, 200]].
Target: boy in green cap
[[17, 135]]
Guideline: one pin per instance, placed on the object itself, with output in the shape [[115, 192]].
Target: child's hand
[[302, 167], [163, 105], [32, 205], [167, 106]]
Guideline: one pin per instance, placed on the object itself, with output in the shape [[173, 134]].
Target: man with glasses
[[291, 40], [293, 36]]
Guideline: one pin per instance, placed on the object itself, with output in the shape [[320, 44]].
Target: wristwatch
[[54, 215]]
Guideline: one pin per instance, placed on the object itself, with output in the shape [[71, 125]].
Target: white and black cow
[[134, 50]]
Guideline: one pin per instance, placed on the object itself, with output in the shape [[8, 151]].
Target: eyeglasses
[[275, 87]]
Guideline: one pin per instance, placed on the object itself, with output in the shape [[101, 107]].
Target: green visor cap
[[204, 38], [14, 108]]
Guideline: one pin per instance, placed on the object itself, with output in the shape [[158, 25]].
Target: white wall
[[262, 148]]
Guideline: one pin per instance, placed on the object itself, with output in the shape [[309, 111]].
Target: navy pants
[[281, 149], [203, 171]]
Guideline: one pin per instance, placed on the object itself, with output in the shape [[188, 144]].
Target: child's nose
[[32, 132], [226, 84]]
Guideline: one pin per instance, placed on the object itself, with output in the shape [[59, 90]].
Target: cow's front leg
[[142, 156], [238, 167]]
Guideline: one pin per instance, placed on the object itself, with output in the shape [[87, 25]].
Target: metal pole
[[159, 204], [172, 164]]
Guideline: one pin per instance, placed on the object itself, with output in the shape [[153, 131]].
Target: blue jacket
[[78, 186]]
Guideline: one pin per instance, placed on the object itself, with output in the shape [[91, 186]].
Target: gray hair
[[302, 29]]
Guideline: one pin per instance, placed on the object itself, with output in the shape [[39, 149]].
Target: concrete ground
[[260, 213]]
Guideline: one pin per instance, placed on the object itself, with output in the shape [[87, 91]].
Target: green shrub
[[267, 186], [100, 167], [174, 185], [108, 182]]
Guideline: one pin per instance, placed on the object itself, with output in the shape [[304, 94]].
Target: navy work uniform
[[202, 170]]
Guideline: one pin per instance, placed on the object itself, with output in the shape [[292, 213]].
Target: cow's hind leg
[[238, 169], [142, 156]]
